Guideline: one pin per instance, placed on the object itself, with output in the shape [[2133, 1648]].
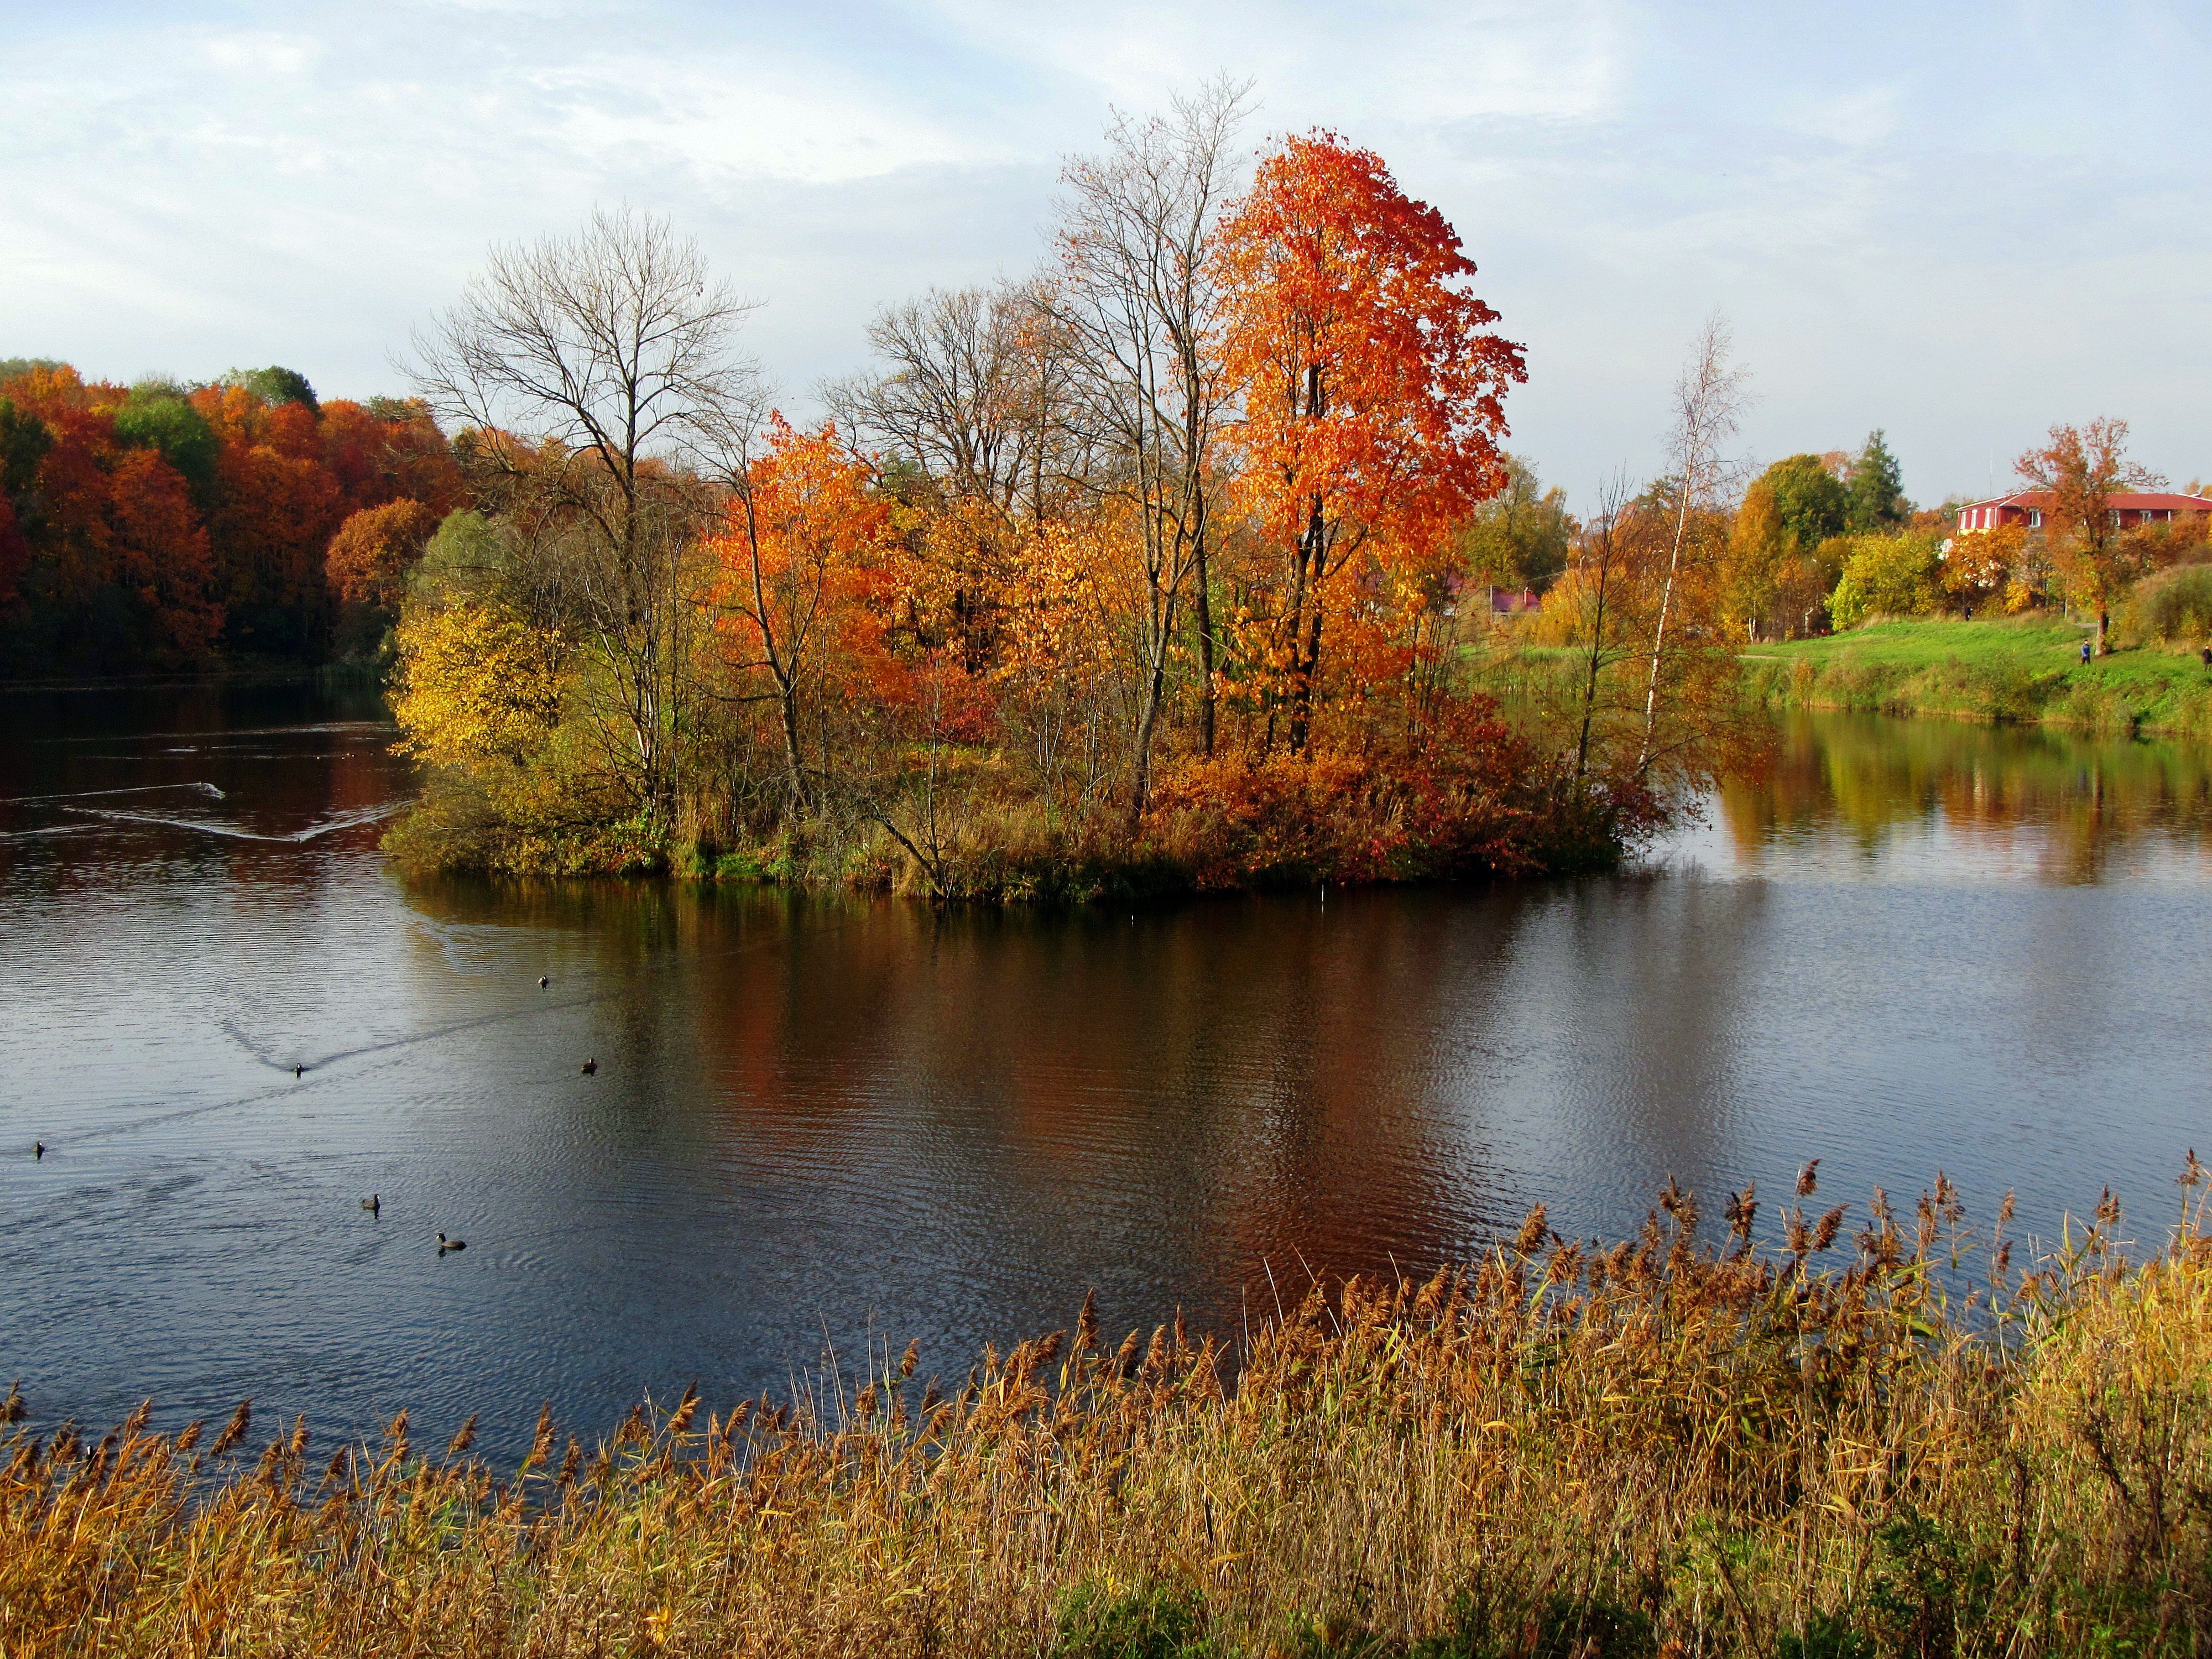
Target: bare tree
[[1139, 302], [975, 394], [1708, 403], [1600, 565], [594, 368]]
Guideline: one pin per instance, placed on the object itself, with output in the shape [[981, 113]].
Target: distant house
[[2027, 507], [1512, 601]]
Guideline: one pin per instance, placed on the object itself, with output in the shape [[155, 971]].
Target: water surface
[[1913, 946]]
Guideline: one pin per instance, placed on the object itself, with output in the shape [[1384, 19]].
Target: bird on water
[[38, 1150], [591, 1067], [374, 1203], [446, 1244], [542, 981], [297, 1070]]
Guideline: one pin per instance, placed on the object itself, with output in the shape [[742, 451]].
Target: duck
[[446, 1244], [591, 1067], [544, 981], [298, 1071], [374, 1203], [38, 1150]]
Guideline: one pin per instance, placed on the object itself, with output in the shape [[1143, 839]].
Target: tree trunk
[[1302, 696], [1205, 646], [788, 705]]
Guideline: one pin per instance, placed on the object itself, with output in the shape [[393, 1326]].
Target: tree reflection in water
[[2055, 805]]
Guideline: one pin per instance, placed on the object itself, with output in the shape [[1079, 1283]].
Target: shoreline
[[2016, 670]]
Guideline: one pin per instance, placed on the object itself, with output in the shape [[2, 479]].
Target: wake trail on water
[[238, 732], [236, 832], [231, 1027], [135, 789]]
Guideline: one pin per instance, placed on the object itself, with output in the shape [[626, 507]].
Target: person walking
[[2085, 653]]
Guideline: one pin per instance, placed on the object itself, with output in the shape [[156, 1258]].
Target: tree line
[[164, 525], [1829, 541], [1160, 565]]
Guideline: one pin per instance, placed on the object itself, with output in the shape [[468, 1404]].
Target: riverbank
[[1470, 800], [2026, 669], [1664, 1448]]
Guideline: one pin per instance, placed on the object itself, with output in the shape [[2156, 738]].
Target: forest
[[163, 526]]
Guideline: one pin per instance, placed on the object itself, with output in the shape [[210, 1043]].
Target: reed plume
[[1651, 1450]]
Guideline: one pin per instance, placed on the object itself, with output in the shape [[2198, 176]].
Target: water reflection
[[2049, 804], [1900, 951]]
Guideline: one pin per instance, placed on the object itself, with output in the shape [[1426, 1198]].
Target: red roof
[[2119, 501]]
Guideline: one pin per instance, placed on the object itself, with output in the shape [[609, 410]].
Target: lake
[[820, 1122]]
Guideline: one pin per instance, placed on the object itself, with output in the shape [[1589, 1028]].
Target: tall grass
[[1661, 1449]]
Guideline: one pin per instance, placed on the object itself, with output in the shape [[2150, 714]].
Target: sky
[[1959, 222]]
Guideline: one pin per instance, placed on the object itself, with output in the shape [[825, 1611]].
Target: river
[[816, 1123]]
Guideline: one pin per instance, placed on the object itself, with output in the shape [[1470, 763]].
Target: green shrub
[[2174, 604]]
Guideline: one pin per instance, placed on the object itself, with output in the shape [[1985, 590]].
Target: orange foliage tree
[[803, 525], [368, 560], [1371, 393], [2081, 469]]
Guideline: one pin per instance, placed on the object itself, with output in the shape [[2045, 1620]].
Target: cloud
[[1961, 258], [1402, 62]]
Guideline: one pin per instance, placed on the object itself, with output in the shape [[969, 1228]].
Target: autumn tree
[[368, 561], [1370, 389], [974, 394], [1709, 399], [591, 363], [1520, 535], [1760, 544], [1590, 610], [2079, 469], [1811, 501], [273, 507], [1139, 300], [1978, 565], [390, 449], [276, 385], [803, 524], [158, 415]]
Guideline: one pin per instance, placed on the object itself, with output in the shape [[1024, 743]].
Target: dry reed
[[1668, 1448]]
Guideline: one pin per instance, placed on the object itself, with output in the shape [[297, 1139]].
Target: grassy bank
[[2025, 669], [1467, 799], [1663, 1449]]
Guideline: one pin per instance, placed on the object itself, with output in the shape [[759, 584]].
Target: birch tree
[[1709, 404]]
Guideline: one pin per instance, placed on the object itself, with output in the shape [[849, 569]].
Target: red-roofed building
[[2027, 507]]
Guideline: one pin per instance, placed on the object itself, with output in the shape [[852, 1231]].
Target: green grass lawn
[[2022, 668]]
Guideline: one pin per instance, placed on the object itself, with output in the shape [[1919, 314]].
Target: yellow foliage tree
[[1979, 564], [476, 684]]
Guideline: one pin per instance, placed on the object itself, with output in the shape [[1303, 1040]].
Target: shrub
[[1446, 803], [2174, 604], [1887, 576]]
